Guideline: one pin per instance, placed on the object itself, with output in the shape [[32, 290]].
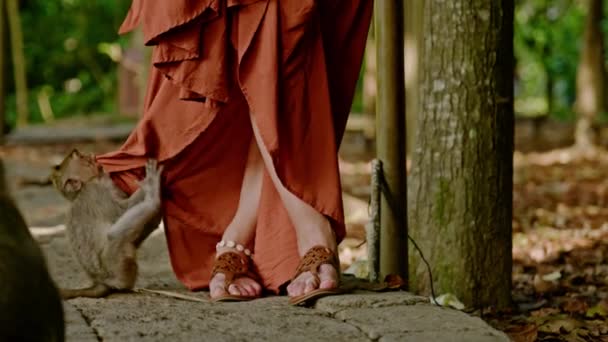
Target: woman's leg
[[242, 227], [312, 228]]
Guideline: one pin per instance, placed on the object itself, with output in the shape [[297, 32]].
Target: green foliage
[[71, 47], [66, 56], [547, 44]]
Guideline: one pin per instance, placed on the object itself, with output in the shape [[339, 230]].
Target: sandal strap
[[314, 258], [233, 265]]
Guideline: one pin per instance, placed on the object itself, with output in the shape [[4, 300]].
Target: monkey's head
[[73, 173]]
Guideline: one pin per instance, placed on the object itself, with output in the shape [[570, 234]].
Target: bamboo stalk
[[373, 229], [2, 75], [14, 21], [390, 125]]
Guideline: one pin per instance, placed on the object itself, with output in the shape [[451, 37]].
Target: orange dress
[[291, 64]]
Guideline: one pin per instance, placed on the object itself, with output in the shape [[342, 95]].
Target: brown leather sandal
[[233, 265], [311, 261]]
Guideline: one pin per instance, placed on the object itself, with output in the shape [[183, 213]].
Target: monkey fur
[[105, 227], [30, 304]]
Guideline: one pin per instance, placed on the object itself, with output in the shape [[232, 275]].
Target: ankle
[[232, 246], [321, 237]]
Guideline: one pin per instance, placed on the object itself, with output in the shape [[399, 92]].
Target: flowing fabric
[[290, 64]]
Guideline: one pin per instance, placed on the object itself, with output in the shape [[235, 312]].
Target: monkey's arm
[[138, 221], [132, 224], [135, 198], [148, 229]]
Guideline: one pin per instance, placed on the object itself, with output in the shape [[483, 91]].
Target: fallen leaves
[[560, 251], [450, 300], [560, 246], [523, 333], [599, 311], [395, 282]]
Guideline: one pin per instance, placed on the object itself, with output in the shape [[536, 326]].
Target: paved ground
[[360, 316], [145, 316]]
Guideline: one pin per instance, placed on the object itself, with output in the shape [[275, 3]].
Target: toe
[[247, 289], [235, 290], [296, 288], [328, 284], [311, 285], [291, 290], [257, 288], [328, 277], [216, 287], [303, 284]]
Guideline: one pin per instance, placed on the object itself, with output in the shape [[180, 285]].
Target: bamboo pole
[[373, 228], [2, 75], [14, 22], [390, 126]]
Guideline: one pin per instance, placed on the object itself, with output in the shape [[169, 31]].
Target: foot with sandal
[[233, 277]]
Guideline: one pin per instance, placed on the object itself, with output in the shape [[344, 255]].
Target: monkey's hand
[[151, 185]]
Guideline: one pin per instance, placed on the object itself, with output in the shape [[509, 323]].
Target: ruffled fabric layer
[[291, 65]]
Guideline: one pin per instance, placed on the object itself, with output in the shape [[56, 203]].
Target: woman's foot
[[312, 285], [312, 229], [318, 247], [306, 282], [234, 276]]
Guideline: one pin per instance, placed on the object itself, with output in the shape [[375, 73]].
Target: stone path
[[142, 316]]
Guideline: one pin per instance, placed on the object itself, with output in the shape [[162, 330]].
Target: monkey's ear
[[73, 185]]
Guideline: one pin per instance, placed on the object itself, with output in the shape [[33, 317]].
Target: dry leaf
[[575, 305], [598, 311], [544, 312], [560, 325], [174, 295], [523, 333], [552, 276], [394, 281], [449, 299], [543, 286]]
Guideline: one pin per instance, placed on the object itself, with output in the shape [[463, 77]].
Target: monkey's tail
[[95, 291]]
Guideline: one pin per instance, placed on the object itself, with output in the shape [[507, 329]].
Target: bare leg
[[242, 227], [312, 228]]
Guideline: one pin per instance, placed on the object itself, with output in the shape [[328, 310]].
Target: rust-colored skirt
[[290, 64]]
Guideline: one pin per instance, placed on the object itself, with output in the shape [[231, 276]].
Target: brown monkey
[[30, 305], [104, 225]]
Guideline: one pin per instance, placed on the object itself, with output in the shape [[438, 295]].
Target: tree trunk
[[590, 77], [14, 21], [413, 46], [460, 191]]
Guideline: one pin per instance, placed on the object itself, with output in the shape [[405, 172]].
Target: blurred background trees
[[76, 64], [71, 51], [547, 45]]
